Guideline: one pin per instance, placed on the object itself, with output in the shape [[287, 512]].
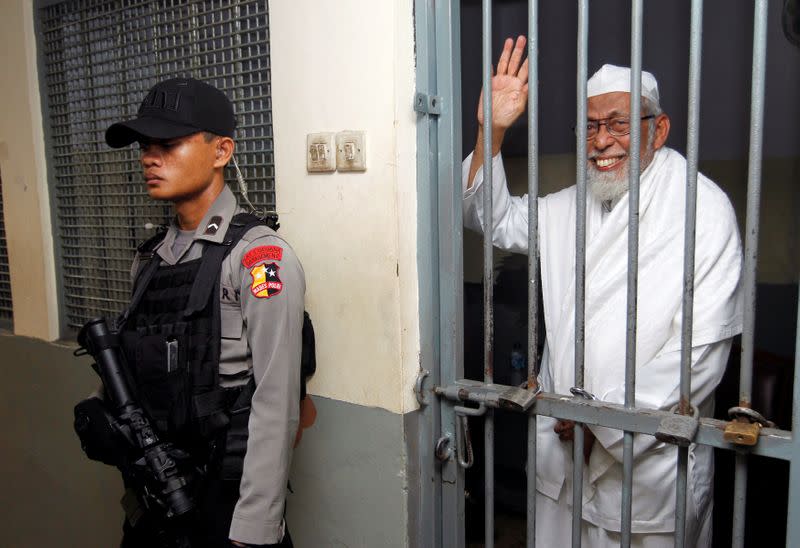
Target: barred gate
[[447, 399]]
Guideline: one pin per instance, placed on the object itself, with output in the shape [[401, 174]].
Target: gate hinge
[[428, 104]]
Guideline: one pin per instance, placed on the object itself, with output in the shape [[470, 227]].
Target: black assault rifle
[[158, 479]]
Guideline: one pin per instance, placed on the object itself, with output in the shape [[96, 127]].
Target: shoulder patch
[[266, 282], [262, 253]]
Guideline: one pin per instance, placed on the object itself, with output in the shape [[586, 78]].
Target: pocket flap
[[231, 317]]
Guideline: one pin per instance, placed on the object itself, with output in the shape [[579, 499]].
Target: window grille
[[100, 57], [5, 279]]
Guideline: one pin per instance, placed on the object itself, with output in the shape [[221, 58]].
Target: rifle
[[160, 484]]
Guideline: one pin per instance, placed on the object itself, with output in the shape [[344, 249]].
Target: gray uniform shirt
[[262, 288]]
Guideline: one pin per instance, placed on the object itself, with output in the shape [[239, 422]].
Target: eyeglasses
[[616, 127]]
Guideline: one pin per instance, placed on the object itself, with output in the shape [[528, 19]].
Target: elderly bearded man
[[717, 307]]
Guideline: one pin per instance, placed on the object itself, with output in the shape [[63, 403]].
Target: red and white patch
[[266, 282], [262, 253]]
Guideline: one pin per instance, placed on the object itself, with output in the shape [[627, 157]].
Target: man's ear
[[662, 131], [223, 152]]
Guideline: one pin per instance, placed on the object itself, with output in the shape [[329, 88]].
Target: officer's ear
[[223, 151]]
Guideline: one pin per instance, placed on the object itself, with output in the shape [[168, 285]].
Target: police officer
[[213, 345]]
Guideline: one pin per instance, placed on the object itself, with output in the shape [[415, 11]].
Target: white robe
[[717, 318]]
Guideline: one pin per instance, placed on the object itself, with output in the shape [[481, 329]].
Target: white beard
[[613, 185], [607, 185]]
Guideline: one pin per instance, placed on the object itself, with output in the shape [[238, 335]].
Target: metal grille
[[5, 279], [100, 57]]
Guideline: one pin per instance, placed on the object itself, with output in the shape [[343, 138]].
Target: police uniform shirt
[[262, 288]]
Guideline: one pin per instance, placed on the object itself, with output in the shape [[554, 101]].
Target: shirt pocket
[[231, 321], [233, 355]]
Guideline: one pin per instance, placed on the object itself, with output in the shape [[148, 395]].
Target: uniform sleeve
[[272, 294], [510, 213]]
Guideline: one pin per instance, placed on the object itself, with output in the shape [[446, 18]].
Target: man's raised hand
[[509, 86], [509, 98]]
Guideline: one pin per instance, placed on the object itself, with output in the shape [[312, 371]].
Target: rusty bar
[[580, 200], [533, 194], [580, 260], [751, 251], [533, 258], [692, 144], [488, 217], [753, 199], [739, 500], [488, 272], [633, 266]]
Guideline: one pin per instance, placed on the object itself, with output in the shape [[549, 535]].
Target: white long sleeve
[[509, 213]]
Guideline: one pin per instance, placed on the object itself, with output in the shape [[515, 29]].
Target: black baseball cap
[[175, 108]]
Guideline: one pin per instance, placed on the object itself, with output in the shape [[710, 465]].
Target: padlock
[[679, 428], [742, 432]]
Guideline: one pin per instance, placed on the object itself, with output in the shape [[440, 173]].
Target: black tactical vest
[[171, 338]]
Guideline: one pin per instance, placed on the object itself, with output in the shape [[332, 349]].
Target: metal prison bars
[[771, 442], [99, 58]]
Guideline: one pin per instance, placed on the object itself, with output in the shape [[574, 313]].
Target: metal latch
[[463, 449], [491, 395], [463, 439], [486, 396], [745, 426]]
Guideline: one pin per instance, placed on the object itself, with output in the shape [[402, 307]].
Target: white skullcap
[[613, 78]]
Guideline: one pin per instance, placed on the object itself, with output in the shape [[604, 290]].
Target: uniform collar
[[216, 220], [212, 227]]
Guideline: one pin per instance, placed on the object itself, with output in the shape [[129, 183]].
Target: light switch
[[320, 154], [351, 152]]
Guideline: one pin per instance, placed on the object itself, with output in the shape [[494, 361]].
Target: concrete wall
[[22, 165], [52, 494], [348, 477], [355, 234]]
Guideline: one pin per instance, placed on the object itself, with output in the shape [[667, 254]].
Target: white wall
[[24, 175], [349, 65]]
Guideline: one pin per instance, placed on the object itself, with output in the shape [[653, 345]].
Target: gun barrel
[[173, 488], [97, 338]]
